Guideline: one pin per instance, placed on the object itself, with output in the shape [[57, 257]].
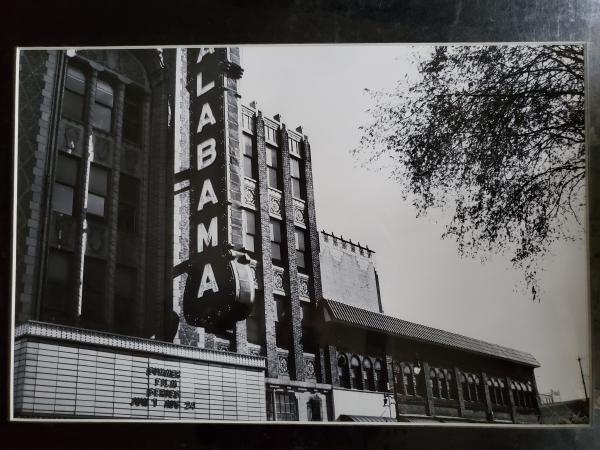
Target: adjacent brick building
[[103, 251]]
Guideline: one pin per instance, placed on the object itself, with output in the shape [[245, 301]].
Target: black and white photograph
[[385, 234]]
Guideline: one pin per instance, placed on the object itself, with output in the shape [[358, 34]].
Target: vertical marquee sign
[[217, 291]]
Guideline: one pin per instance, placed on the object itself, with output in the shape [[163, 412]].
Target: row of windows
[[275, 230], [67, 185], [274, 175], [284, 407], [59, 292], [365, 375], [473, 389], [102, 117]]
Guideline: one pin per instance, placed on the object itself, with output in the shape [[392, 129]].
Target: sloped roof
[[355, 418], [351, 315]]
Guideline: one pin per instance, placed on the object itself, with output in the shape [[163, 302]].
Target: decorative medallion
[[299, 214], [278, 280], [249, 195], [309, 368], [283, 364], [275, 205], [303, 285]]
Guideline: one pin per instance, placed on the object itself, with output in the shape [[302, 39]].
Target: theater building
[[169, 264]]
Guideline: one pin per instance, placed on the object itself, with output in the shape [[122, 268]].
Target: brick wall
[[37, 78]]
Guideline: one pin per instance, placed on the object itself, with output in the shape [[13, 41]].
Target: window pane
[[102, 117], [250, 222], [129, 189], [75, 80], [296, 188], [272, 176], [301, 261], [275, 251], [104, 93], [98, 180], [300, 240], [295, 168], [248, 172], [275, 231], [93, 290], [127, 217], [66, 170], [125, 280], [247, 145], [95, 205], [62, 199], [73, 106], [249, 243], [132, 118], [272, 157], [58, 267]]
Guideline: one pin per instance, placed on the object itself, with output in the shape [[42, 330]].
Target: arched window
[[313, 409], [490, 388], [356, 373], [343, 371], [464, 382], [369, 378], [433, 382], [450, 385], [379, 386], [409, 380], [443, 384]]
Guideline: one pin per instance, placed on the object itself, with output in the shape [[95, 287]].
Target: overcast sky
[[422, 278]]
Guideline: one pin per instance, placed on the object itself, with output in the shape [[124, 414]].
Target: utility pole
[[582, 378]]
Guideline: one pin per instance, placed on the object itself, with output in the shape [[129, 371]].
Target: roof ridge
[[518, 355]]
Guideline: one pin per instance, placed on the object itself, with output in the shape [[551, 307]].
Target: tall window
[[300, 250], [125, 289], [129, 190], [271, 135], [273, 167], [65, 182], [275, 226], [369, 376], [58, 285], [102, 113], [132, 117], [409, 380], [313, 409], [286, 406], [379, 379], [94, 282], [343, 371], [248, 166], [74, 97], [97, 193], [249, 231], [296, 174], [356, 373]]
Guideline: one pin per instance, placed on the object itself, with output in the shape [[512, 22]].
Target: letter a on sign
[[206, 117], [208, 282], [207, 195], [206, 153]]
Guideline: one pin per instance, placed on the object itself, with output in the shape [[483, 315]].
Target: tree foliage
[[494, 134]]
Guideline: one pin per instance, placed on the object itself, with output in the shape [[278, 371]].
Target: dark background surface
[[64, 23]]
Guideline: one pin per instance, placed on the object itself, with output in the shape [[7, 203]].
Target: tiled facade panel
[[88, 381], [347, 275]]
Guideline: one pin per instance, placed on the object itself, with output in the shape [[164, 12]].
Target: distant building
[[126, 291]]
